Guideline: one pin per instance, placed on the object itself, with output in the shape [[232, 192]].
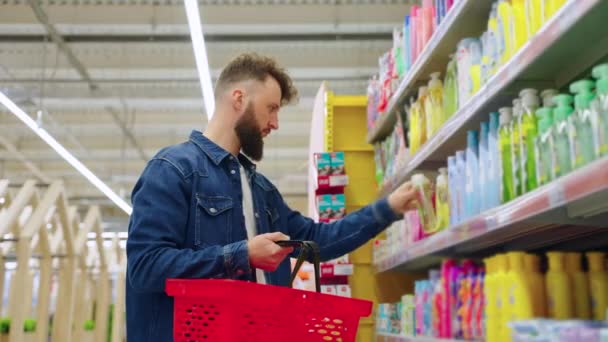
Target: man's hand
[[265, 254], [403, 198]]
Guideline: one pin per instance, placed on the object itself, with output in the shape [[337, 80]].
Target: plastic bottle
[[493, 41], [545, 147], [585, 148], [502, 268], [442, 197], [580, 286], [516, 134], [484, 186], [450, 90], [434, 109], [520, 296], [472, 175], [537, 285], [423, 93], [528, 131], [598, 281], [534, 15], [414, 34], [559, 290], [461, 166], [600, 105], [504, 134], [521, 23], [452, 190], [506, 39], [491, 301], [446, 312], [425, 204], [547, 95], [407, 61], [561, 119], [493, 174], [475, 50], [463, 67]]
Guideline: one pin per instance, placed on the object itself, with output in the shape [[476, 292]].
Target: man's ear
[[238, 100]]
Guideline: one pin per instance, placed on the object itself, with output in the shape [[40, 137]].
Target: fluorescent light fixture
[[44, 135], [200, 54]]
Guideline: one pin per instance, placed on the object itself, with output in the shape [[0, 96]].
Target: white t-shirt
[[248, 213]]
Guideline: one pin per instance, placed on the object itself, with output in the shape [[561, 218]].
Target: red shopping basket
[[210, 310]]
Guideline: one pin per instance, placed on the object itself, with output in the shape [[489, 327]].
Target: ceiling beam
[[12, 150]]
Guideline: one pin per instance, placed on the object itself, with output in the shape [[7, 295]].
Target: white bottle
[[484, 168], [460, 183], [453, 190]]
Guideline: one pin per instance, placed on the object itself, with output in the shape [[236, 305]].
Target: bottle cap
[[422, 91], [435, 81], [506, 115], [600, 72], [517, 107], [547, 96], [529, 98], [494, 121], [472, 138], [483, 129], [564, 107], [584, 93]]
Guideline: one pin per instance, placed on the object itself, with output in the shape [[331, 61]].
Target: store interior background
[[132, 86]]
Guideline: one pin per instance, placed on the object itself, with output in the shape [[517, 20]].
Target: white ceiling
[[138, 56]]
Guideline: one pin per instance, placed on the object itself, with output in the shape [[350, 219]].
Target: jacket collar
[[216, 153]]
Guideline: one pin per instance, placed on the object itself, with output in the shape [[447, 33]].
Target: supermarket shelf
[[466, 18], [558, 53], [400, 338], [578, 202]]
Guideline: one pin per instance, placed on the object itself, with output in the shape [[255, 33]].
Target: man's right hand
[[265, 254]]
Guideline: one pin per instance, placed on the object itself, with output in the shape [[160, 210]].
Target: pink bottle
[[427, 21], [414, 28], [445, 315]]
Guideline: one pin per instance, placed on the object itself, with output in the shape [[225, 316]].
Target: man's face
[[259, 118]]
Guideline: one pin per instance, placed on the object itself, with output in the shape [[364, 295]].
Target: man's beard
[[249, 134]]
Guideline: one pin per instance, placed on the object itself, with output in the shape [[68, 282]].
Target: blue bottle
[[453, 190], [472, 175], [460, 184], [484, 186], [493, 176]]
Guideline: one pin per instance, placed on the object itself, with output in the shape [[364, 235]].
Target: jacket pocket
[[273, 218], [213, 220]]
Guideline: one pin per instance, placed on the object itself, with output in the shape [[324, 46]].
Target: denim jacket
[[187, 222]]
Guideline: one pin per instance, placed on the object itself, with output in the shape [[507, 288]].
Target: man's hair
[[251, 66]]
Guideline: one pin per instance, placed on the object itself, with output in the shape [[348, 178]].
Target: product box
[[343, 290], [337, 163], [328, 289], [338, 206], [408, 317], [323, 164], [325, 208]]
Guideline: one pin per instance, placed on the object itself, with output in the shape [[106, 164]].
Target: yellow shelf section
[[346, 123]]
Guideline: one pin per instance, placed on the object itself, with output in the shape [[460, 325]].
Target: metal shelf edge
[[579, 184]]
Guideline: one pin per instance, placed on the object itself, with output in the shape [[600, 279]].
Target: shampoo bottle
[[484, 164], [453, 190], [425, 204], [472, 175], [442, 200], [504, 134], [463, 67], [559, 290], [491, 300], [435, 106], [461, 165], [536, 283], [521, 23], [528, 130], [600, 105], [520, 296], [561, 121], [544, 147], [502, 288], [506, 39], [493, 42], [598, 279], [475, 50], [416, 129], [534, 15], [493, 175], [516, 143], [585, 148], [450, 92], [580, 286]]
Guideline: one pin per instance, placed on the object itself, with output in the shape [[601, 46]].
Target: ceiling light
[[200, 55], [44, 135]]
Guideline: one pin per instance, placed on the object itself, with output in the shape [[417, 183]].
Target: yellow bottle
[[502, 291], [534, 15], [559, 296], [416, 127], [598, 281], [521, 23], [551, 7], [536, 282], [520, 296], [492, 310], [442, 196], [423, 93], [580, 286], [435, 103], [506, 31]]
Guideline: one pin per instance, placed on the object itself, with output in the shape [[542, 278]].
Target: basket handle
[[306, 247]]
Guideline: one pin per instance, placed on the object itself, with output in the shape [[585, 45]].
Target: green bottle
[[585, 148], [600, 106], [450, 92], [544, 147], [516, 135], [561, 117], [504, 147], [528, 130]]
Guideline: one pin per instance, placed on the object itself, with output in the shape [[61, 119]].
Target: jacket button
[[232, 171], [257, 215], [213, 210]]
